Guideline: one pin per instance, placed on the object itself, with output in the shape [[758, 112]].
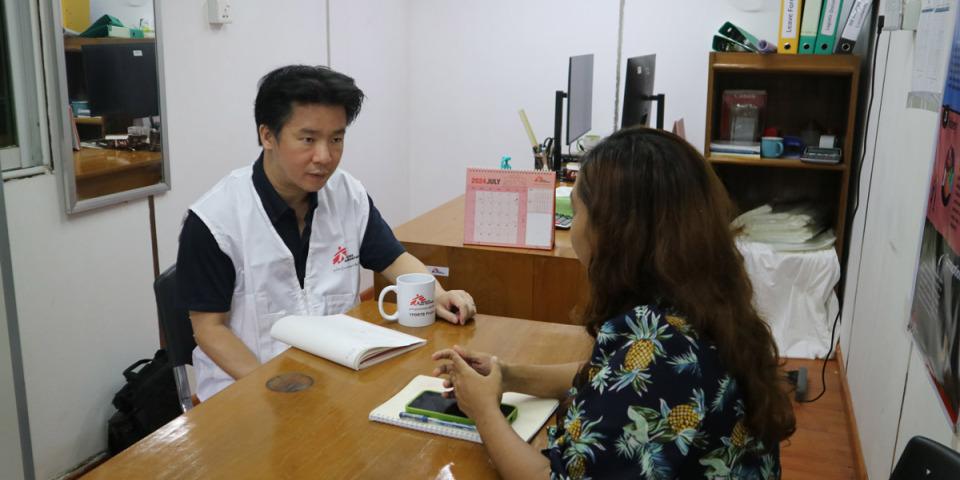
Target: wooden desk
[[247, 431], [101, 172], [541, 285]]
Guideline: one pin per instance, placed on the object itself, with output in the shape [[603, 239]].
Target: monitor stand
[[661, 101]]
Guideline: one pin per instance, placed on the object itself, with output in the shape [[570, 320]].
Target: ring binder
[[858, 15], [789, 38], [829, 21], [809, 25]]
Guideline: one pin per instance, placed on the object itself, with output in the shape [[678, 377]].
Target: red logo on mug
[[419, 300]]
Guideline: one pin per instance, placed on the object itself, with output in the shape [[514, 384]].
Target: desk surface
[[247, 431], [443, 226], [94, 162]]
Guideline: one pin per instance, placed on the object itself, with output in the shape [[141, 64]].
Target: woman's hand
[[478, 360], [477, 394]]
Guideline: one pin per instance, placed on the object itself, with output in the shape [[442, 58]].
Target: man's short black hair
[[287, 86]]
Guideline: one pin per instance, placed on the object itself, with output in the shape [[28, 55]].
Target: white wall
[[893, 398], [878, 329], [474, 64], [369, 42], [86, 312], [923, 413], [682, 38], [12, 445]]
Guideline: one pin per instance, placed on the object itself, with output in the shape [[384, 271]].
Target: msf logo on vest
[[343, 260]]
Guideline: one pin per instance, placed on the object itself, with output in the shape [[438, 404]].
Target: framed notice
[[509, 208]]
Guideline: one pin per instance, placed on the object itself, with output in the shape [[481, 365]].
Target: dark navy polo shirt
[[206, 275]]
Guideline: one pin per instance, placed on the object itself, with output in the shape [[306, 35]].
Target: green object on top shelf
[[110, 26]]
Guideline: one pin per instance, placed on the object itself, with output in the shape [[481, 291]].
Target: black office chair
[[177, 330], [925, 459]]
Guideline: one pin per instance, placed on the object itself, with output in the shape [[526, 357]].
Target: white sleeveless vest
[[266, 287]]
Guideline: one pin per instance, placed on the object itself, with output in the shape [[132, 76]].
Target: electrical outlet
[[219, 11]]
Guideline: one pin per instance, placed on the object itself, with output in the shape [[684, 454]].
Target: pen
[[437, 421]]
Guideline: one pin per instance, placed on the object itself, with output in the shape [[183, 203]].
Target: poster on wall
[[933, 30], [935, 313]]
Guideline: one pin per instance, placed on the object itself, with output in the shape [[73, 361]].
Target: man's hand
[[455, 306]]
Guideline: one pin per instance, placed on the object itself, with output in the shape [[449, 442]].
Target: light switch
[[219, 11]]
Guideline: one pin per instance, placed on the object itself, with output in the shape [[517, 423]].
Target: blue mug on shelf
[[771, 147]]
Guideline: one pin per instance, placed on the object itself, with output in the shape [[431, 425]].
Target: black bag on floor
[[147, 402]]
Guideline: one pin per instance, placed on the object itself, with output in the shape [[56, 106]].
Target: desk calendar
[[509, 208]]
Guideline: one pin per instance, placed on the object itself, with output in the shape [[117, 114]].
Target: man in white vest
[[287, 235]]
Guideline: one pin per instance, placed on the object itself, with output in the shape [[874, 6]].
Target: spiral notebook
[[532, 412]]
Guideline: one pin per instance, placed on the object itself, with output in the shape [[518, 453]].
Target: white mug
[[415, 307]]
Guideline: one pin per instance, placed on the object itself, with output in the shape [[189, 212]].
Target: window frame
[[32, 152]]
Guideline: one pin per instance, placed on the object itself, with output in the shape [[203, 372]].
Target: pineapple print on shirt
[[656, 403], [644, 346]]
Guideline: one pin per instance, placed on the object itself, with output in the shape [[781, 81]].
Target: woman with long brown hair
[[684, 378]]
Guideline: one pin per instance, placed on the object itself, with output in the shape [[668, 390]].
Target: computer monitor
[[121, 79], [638, 90], [579, 97]]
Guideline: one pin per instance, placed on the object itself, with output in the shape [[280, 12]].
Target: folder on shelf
[[789, 38], [856, 19], [740, 36], [829, 21], [724, 44], [108, 26], [809, 24]]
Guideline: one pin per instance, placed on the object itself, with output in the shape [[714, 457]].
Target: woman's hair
[[659, 227]]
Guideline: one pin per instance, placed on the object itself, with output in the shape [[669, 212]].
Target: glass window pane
[[8, 126]]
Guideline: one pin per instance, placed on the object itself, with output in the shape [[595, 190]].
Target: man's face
[[307, 151]]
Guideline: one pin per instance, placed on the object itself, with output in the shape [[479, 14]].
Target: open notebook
[[532, 412], [343, 339]]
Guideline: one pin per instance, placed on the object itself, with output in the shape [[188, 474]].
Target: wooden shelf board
[[775, 63], [73, 44], [89, 120], [774, 163]]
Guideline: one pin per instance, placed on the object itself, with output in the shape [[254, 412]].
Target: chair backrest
[[925, 459], [175, 318]]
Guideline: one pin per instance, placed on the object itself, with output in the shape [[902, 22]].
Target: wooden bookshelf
[[802, 90]]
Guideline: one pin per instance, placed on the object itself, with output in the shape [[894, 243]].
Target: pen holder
[[541, 160]]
